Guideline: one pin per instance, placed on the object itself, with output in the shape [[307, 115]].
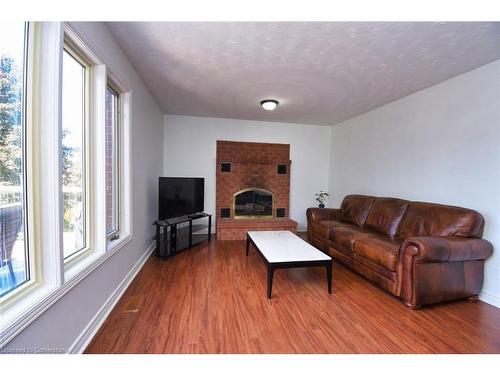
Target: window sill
[[37, 301], [120, 242], [21, 314], [86, 265]]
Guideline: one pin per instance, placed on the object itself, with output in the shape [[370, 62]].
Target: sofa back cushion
[[430, 219], [385, 215], [355, 208]]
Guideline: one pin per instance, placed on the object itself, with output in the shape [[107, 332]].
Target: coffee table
[[283, 249]]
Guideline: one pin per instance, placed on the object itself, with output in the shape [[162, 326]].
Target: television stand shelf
[[179, 233]]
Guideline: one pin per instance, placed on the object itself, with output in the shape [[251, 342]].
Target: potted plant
[[321, 197]]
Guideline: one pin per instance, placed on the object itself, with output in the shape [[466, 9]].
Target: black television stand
[[176, 234], [197, 215]]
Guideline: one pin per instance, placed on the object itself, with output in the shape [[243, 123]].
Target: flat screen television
[[179, 196]]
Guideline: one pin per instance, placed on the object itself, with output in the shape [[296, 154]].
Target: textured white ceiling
[[321, 73]]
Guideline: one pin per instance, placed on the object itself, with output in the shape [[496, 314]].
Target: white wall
[[63, 322], [439, 145], [190, 146]]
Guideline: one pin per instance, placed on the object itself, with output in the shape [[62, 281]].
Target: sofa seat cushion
[[345, 235], [322, 227], [380, 250]]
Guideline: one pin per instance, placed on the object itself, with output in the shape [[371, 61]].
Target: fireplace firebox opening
[[253, 203]]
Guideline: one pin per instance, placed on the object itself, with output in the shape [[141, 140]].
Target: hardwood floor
[[212, 299]]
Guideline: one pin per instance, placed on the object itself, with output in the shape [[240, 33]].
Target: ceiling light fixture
[[269, 104]]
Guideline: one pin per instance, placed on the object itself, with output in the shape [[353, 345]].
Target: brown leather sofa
[[424, 253]]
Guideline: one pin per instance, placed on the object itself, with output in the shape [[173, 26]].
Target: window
[[14, 256], [74, 168], [112, 163], [60, 186]]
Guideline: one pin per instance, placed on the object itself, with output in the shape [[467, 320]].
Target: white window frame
[[115, 234], [99, 243], [42, 112], [76, 55], [94, 87], [124, 163], [28, 187], [52, 277]]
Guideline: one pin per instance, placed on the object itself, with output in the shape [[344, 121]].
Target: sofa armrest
[[432, 249], [436, 269], [317, 214]]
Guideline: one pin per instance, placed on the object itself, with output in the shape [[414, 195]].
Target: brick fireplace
[[252, 188]]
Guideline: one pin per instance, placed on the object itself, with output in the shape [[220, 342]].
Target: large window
[[112, 163], [74, 120], [64, 167], [14, 265]]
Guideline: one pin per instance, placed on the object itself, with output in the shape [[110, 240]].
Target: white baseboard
[[490, 298], [97, 321]]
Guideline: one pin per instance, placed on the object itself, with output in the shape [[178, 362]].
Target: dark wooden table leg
[[329, 276], [248, 243], [270, 274]]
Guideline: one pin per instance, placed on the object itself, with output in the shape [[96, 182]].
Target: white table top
[[284, 246]]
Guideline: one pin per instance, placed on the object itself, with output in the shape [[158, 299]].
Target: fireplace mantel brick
[[253, 165]]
